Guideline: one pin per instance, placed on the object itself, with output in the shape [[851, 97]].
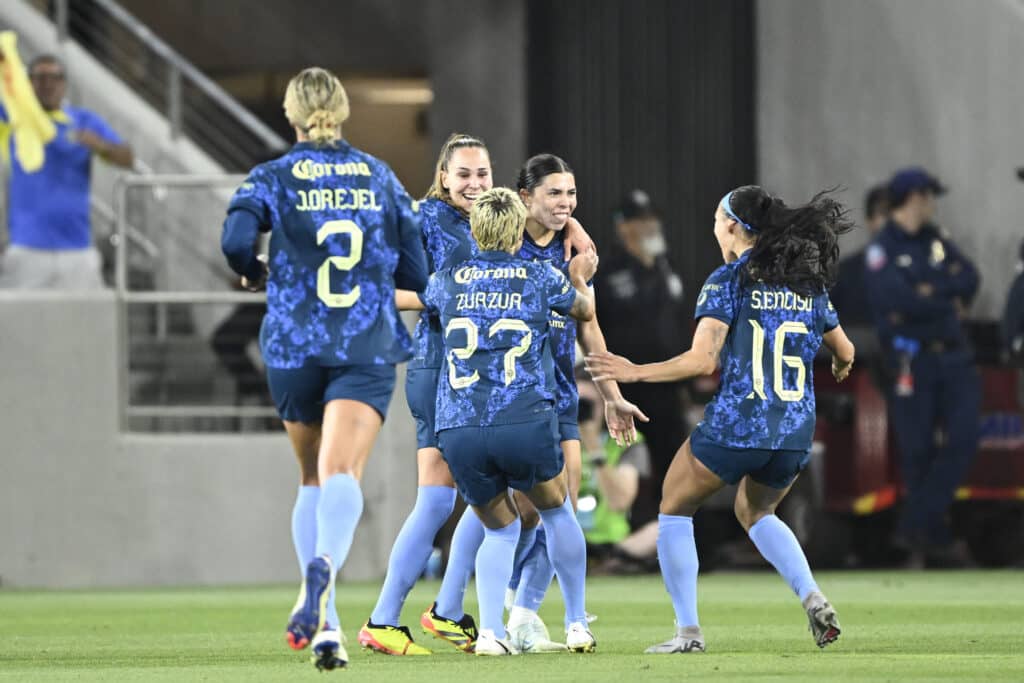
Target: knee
[[746, 514], [529, 517]]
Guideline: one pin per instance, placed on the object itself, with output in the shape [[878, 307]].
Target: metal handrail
[[178, 68]]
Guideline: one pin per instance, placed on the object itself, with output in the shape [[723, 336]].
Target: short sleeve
[[433, 296], [95, 123], [256, 194], [717, 298], [828, 311], [561, 294]]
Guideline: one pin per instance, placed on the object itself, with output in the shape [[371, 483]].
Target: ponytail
[[794, 247]]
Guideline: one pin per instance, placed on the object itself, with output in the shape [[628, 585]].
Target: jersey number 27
[[473, 340]]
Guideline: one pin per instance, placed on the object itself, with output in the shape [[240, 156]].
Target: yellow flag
[[29, 124]]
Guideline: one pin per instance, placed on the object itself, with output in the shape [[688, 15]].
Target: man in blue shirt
[[48, 210], [496, 404], [919, 285]]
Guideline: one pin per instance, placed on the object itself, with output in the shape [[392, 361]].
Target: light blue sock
[[677, 555], [411, 551], [304, 525], [469, 534], [567, 551], [337, 515], [523, 552], [778, 545], [304, 537], [493, 570], [537, 575]]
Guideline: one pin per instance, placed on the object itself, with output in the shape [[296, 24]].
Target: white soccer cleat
[[528, 633], [822, 618], [328, 648], [687, 639], [578, 638], [490, 645]]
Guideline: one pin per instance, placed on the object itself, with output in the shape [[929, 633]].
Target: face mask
[[654, 245]]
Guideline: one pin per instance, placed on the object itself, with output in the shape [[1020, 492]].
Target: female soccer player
[[343, 235], [496, 410], [762, 317], [462, 174], [547, 187]]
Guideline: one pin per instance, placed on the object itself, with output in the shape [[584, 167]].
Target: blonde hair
[[497, 220], [455, 141], [316, 103]]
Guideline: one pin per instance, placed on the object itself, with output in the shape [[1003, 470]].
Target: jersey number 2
[[794, 362], [323, 274], [473, 339]]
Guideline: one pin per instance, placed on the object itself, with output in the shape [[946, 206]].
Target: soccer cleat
[[462, 633], [390, 640], [823, 620], [490, 645], [311, 610], [687, 639], [528, 633], [329, 649], [578, 638]]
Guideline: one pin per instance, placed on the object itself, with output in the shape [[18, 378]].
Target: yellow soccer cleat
[[390, 640], [462, 633]]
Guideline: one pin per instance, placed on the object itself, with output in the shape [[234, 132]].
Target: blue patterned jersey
[[563, 329], [494, 311], [448, 242], [343, 230], [766, 397]]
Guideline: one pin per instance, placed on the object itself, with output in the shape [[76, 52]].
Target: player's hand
[[620, 416], [840, 370], [577, 238], [583, 266], [604, 366], [257, 285]]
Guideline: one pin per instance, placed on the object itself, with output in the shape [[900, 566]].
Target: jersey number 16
[[794, 362]]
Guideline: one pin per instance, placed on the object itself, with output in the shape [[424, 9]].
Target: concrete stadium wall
[[849, 91], [83, 505]]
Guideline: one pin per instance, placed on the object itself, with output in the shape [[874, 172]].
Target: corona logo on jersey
[[307, 169], [469, 273]]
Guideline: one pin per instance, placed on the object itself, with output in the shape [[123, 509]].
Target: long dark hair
[[795, 247], [537, 168]]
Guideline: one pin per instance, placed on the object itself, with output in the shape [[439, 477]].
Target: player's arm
[[842, 352], [408, 300], [618, 412], [576, 238], [701, 359], [581, 270], [238, 242], [117, 153]]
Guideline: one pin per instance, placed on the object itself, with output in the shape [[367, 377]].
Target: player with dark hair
[[343, 236], [762, 317]]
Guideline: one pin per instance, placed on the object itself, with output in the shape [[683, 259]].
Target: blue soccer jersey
[[448, 242], [766, 396], [494, 311], [343, 231], [563, 329]]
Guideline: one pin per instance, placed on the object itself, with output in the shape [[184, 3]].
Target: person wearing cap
[[919, 285], [635, 279]]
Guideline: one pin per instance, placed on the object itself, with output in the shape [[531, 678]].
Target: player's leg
[[435, 500], [305, 439], [530, 520], [446, 618], [688, 483], [758, 496], [493, 571]]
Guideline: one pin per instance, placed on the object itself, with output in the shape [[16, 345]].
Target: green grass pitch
[[897, 626]]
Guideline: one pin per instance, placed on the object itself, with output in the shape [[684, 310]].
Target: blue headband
[[727, 208]]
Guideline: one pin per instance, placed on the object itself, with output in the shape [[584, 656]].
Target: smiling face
[[468, 176], [552, 201]]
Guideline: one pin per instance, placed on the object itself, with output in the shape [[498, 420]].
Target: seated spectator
[[48, 209], [609, 485]]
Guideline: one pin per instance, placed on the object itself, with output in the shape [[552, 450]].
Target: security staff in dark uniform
[[849, 296], [1013, 316], [919, 285], [640, 305]]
